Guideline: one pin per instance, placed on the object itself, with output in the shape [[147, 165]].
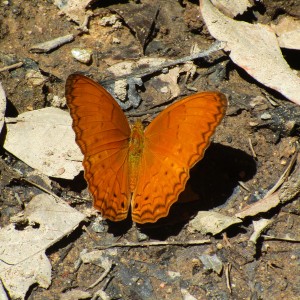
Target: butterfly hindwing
[[175, 140]]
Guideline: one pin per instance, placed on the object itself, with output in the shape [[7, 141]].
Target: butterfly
[[129, 167]]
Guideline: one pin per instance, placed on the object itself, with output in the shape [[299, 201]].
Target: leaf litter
[[44, 140], [23, 261], [253, 47]]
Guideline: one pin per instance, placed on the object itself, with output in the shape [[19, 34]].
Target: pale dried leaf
[[98, 257], [259, 226], [129, 66], [288, 32], [261, 206], [211, 222], [44, 140], [254, 48], [22, 252], [169, 85], [212, 262], [232, 8], [2, 106], [74, 9]]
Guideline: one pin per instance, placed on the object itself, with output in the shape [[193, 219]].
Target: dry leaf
[[288, 32], [130, 66], [140, 19], [261, 206], [166, 86], [22, 252], [259, 226], [254, 48], [44, 140], [211, 222], [74, 9], [212, 262], [233, 7]]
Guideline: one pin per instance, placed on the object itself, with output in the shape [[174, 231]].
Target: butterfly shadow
[[212, 182]]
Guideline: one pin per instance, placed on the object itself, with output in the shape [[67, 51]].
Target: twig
[[104, 274], [92, 236], [270, 238], [14, 66], [216, 46], [51, 45], [251, 148], [40, 187], [243, 185], [227, 275], [291, 188], [100, 293], [136, 245], [283, 177], [226, 240]]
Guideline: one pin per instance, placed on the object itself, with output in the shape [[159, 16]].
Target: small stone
[[164, 89], [265, 116], [253, 124], [98, 226], [283, 161], [35, 78], [58, 102], [142, 236], [116, 40], [259, 100], [120, 89], [109, 21], [219, 246], [82, 55]]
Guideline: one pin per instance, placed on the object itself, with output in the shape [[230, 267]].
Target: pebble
[[82, 55], [265, 116]]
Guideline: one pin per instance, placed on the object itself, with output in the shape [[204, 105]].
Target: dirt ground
[[228, 178]]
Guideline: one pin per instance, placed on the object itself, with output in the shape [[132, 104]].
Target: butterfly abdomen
[[136, 146]]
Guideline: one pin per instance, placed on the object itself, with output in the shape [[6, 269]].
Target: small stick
[[243, 185], [40, 187], [136, 245], [283, 177], [216, 46], [100, 293], [251, 148], [14, 66], [104, 274], [92, 236], [50, 45], [270, 238], [227, 274], [226, 240]]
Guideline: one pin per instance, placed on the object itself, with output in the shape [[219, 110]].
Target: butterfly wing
[[102, 133], [175, 140]]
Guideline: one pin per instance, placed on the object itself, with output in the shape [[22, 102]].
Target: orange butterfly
[[129, 166]]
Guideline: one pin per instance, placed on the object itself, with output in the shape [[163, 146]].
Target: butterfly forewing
[[102, 132], [175, 140]]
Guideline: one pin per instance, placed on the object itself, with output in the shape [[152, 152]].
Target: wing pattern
[[175, 140], [102, 133]]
